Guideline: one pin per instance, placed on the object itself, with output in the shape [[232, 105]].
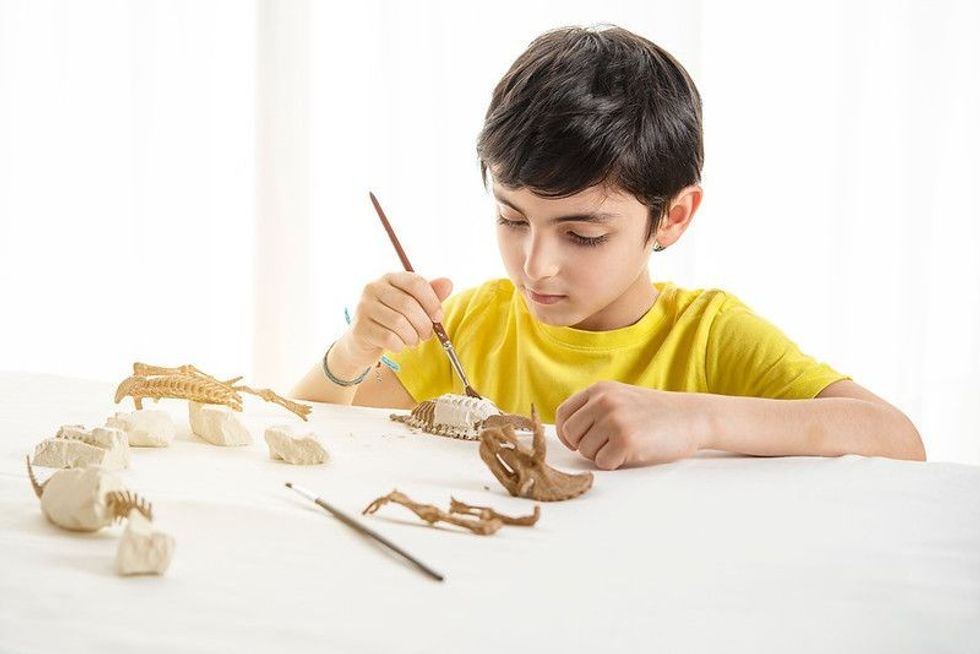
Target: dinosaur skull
[[523, 471]]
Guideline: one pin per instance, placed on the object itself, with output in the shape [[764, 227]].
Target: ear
[[680, 215]]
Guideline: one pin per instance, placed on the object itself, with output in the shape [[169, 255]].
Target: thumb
[[442, 286]]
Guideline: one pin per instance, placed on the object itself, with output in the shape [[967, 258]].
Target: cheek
[[510, 251], [607, 269]]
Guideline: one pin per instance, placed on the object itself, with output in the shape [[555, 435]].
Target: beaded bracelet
[[336, 380]]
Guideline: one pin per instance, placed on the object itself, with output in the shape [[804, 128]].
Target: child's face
[[579, 261]]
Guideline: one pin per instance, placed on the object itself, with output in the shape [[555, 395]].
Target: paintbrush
[[436, 326], [357, 526]]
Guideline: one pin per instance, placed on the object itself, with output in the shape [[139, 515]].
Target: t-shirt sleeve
[[424, 370], [749, 356]]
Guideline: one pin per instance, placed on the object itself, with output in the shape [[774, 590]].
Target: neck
[[625, 310]]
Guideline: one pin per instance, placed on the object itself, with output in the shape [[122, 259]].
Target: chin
[[555, 318]]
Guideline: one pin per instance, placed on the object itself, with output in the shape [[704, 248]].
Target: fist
[[395, 312], [615, 424]]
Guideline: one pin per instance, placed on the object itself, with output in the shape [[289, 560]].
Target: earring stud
[[657, 247]]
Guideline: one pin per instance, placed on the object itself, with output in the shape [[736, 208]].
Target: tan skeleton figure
[[189, 383], [458, 416], [487, 520], [523, 471]]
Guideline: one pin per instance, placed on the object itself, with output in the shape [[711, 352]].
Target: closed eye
[[578, 239]]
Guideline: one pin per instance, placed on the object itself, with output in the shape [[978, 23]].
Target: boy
[[593, 146]]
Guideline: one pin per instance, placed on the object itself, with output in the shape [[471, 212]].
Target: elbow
[[917, 448], [912, 448]]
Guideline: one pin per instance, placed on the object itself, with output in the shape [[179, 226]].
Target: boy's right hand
[[395, 312]]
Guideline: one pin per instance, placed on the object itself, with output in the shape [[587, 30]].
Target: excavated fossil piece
[[188, 383], [145, 427], [74, 447], [86, 499], [523, 471], [458, 416], [294, 446], [142, 550], [218, 425], [487, 521]]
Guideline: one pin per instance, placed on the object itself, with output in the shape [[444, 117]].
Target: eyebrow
[[588, 217]]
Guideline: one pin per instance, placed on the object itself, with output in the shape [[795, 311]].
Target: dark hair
[[582, 107]]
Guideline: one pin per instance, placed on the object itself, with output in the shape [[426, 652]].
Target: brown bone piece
[[188, 383], [523, 471], [487, 520], [487, 513]]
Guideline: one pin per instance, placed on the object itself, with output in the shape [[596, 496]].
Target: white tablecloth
[[715, 553]]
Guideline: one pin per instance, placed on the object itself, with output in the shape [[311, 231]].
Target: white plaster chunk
[[218, 424], [462, 412], [75, 498], [296, 446], [145, 427], [62, 453], [75, 447], [142, 550]]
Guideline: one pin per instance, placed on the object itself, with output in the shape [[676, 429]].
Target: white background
[[187, 181]]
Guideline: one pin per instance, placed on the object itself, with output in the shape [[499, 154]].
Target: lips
[[543, 298]]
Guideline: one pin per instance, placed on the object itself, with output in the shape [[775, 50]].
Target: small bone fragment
[[294, 446], [487, 520], [145, 427], [74, 447], [523, 471], [217, 425], [141, 549]]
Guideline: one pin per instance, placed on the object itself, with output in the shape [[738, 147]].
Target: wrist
[[708, 422], [341, 368], [350, 357]]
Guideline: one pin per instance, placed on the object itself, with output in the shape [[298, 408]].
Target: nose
[[541, 258]]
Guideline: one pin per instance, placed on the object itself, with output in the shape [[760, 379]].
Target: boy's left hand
[[615, 424]]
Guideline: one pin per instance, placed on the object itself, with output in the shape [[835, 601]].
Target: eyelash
[[578, 239]]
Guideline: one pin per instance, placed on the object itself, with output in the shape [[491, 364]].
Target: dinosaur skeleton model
[[86, 499], [459, 416], [487, 520], [188, 383], [523, 471]]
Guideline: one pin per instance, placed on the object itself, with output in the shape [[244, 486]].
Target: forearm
[[830, 426], [316, 387]]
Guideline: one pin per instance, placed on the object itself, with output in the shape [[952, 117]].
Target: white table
[[716, 553]]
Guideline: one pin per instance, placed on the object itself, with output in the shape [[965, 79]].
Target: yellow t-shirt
[[702, 341]]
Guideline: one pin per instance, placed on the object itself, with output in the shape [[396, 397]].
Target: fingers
[[568, 409], [592, 442], [391, 321], [442, 286], [418, 288], [402, 314], [397, 311], [601, 444], [610, 456]]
